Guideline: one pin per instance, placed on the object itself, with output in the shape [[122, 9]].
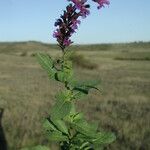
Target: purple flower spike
[[68, 23]]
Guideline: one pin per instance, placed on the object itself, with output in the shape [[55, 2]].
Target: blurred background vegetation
[[123, 106]]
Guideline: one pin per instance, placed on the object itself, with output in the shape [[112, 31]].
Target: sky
[[33, 20]]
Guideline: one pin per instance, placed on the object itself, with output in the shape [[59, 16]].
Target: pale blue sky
[[122, 21]]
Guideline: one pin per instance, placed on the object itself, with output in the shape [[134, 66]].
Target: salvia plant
[[65, 124]]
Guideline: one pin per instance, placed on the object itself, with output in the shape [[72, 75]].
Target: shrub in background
[[82, 62]]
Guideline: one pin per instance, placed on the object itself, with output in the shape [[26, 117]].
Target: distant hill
[[11, 47]]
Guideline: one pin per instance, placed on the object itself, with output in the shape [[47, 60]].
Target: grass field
[[122, 107]]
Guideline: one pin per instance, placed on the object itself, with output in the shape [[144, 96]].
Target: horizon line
[[55, 43]]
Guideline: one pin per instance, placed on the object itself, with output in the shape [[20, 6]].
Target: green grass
[[123, 106]]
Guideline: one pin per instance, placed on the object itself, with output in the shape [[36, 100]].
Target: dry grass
[[123, 106]]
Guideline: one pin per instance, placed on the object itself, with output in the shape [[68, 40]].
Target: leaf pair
[[47, 64], [82, 88], [87, 133], [63, 75], [61, 109]]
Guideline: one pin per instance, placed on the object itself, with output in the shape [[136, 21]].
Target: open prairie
[[122, 106]]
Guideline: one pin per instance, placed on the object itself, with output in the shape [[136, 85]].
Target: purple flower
[[101, 3], [67, 42], [75, 24], [82, 7]]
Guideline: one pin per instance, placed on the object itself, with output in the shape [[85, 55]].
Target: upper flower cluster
[[66, 26], [101, 3], [82, 7], [69, 21]]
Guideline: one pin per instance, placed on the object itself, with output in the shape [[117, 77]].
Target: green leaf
[[47, 64], [61, 109], [70, 117], [65, 75], [89, 133], [73, 108], [82, 137], [84, 128], [104, 138], [77, 117], [47, 125], [60, 124], [56, 136], [60, 76], [64, 95], [39, 147], [45, 60], [51, 125], [79, 94], [85, 145], [81, 88]]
